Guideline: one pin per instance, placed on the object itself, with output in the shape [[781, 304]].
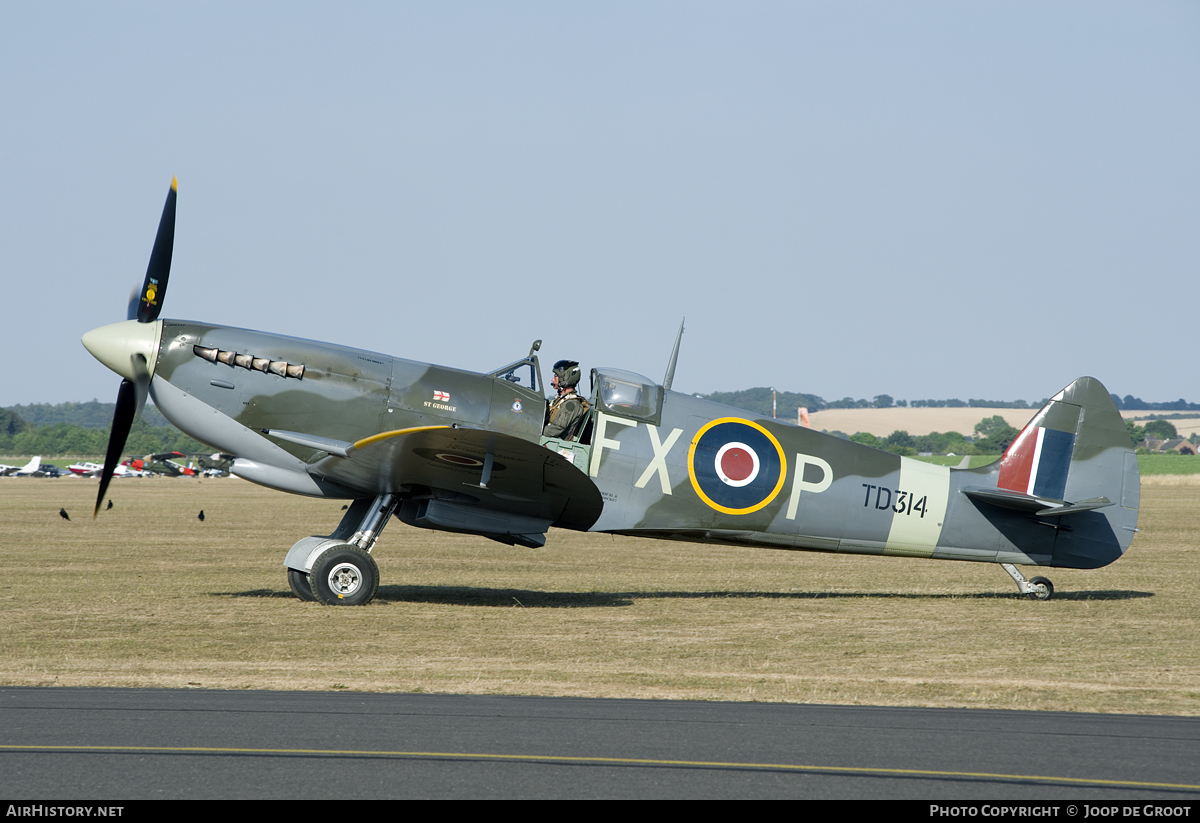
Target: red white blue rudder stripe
[[1037, 462]]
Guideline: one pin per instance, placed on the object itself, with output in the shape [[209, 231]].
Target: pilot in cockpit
[[566, 412]]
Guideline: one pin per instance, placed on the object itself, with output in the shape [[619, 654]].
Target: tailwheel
[[1040, 588], [344, 575], [300, 586]]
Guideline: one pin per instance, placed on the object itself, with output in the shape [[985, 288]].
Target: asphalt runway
[[128, 744]]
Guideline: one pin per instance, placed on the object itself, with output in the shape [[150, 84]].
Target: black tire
[[344, 576], [1043, 589], [298, 581]]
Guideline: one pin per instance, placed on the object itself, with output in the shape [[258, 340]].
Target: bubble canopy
[[627, 394]]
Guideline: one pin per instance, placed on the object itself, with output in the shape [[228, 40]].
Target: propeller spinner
[[131, 348]]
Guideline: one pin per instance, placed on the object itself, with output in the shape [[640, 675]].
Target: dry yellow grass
[[1171, 479], [882, 422], [149, 596]]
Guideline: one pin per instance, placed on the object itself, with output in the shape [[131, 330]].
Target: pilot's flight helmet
[[568, 372]]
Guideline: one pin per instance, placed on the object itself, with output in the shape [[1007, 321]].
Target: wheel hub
[[344, 579]]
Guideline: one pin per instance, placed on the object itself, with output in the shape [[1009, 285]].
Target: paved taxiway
[[154, 743]]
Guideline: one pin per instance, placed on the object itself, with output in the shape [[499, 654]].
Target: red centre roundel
[[736, 464]]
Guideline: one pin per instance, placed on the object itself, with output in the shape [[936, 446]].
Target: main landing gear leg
[[337, 569], [1039, 588]]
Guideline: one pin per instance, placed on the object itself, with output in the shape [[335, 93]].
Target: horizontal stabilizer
[[1081, 506], [1006, 499], [1045, 507]]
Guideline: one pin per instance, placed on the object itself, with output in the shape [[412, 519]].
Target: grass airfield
[[146, 595]]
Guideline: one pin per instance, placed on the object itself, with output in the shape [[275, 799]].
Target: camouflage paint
[[836, 495], [682, 468]]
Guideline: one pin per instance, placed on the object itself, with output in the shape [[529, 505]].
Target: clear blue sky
[[982, 199]]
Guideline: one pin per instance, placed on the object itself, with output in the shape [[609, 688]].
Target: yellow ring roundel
[[736, 466]]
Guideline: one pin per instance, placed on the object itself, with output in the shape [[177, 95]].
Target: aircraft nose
[[118, 346]]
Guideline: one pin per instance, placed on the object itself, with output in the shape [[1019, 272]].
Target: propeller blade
[[127, 406], [154, 289]]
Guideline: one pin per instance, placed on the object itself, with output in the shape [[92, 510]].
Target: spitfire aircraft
[[165, 464], [451, 450]]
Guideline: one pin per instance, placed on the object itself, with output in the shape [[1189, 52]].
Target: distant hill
[[82, 429], [759, 401], [90, 415]]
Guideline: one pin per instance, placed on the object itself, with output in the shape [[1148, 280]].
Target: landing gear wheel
[[1043, 589], [344, 576], [298, 581]]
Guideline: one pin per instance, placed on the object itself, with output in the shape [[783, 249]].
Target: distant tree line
[[758, 400], [1132, 403], [83, 428], [992, 436], [976, 403], [90, 415]]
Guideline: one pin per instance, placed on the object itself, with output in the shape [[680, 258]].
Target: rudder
[[1076, 450]]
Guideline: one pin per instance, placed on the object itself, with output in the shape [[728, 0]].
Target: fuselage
[[666, 464]]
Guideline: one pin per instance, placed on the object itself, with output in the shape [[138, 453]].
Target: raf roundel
[[736, 466]]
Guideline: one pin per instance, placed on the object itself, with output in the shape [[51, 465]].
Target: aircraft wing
[[479, 469]]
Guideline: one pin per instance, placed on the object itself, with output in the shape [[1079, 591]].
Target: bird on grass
[[109, 506], [63, 514], [201, 515]]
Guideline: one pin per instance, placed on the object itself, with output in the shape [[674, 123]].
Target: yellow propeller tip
[[174, 184]]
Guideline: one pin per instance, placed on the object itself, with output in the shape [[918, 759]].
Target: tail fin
[[1076, 457]]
